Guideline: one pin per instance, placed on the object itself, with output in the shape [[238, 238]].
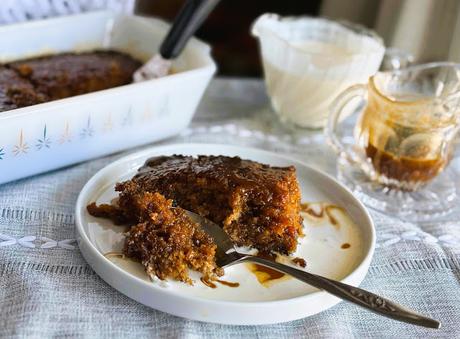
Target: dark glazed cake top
[[36, 80], [230, 172], [256, 204], [16, 92], [68, 74]]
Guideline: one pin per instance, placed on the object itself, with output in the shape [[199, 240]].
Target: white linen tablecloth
[[48, 290]]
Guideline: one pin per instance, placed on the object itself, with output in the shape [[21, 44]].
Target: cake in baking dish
[[17, 92], [36, 80]]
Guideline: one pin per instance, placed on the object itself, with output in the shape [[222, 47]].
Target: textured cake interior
[[164, 239], [36, 80], [257, 205]]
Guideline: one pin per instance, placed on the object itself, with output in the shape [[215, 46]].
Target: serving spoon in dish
[[227, 255], [186, 23]]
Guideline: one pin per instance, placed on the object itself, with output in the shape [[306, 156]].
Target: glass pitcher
[[404, 135]]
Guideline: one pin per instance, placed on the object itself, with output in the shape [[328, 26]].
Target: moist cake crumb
[[256, 205], [165, 240]]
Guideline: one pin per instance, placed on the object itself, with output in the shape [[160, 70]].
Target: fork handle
[[350, 293]]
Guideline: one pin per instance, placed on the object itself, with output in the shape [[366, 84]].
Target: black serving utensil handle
[[186, 23]]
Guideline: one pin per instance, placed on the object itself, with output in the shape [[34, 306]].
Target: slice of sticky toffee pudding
[[256, 204]]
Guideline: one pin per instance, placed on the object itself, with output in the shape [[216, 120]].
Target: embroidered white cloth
[[12, 11], [48, 290]]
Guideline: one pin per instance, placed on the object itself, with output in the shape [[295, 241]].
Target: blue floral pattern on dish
[[44, 141], [128, 118], [88, 131]]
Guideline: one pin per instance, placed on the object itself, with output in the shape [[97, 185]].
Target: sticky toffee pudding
[[257, 206]]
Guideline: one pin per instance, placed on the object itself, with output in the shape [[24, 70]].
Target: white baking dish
[[43, 137]]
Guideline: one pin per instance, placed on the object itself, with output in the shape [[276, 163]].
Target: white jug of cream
[[309, 61]]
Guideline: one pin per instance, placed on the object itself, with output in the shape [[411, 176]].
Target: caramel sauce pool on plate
[[265, 275], [223, 282], [325, 211]]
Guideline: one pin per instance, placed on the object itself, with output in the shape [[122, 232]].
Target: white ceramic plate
[[251, 303]]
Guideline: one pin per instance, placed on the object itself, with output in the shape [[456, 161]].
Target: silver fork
[[226, 255]]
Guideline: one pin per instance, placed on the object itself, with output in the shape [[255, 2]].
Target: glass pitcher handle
[[395, 58], [337, 109]]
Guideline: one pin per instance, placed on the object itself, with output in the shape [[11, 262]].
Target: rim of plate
[[155, 149]]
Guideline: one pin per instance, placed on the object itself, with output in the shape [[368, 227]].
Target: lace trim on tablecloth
[[384, 240], [448, 263], [12, 11], [38, 242], [242, 132], [9, 267], [31, 215]]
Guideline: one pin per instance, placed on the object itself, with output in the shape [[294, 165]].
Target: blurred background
[[228, 28], [428, 29]]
